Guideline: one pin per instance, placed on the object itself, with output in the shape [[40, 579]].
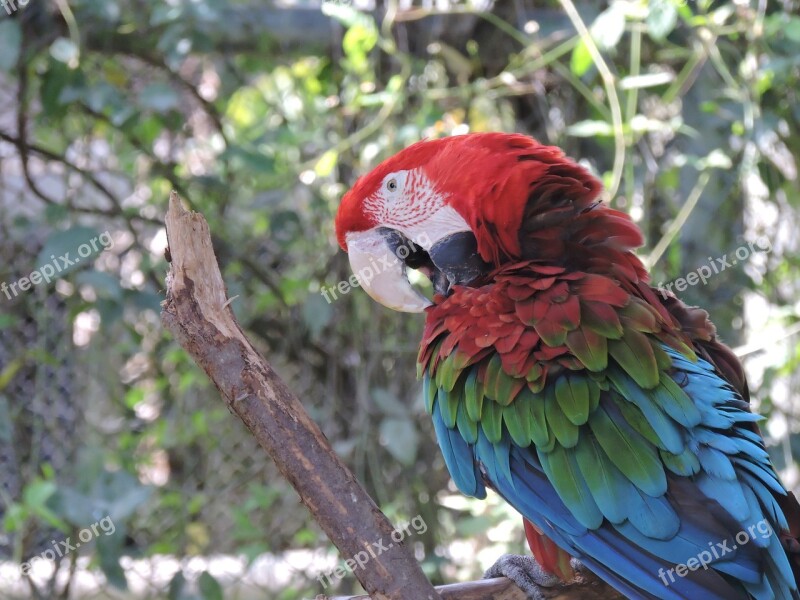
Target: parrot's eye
[[391, 185]]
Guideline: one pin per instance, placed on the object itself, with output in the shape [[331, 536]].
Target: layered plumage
[[608, 414]]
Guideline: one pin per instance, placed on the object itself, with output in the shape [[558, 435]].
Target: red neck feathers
[[527, 201]]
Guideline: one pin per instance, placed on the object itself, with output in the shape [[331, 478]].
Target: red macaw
[[606, 412]]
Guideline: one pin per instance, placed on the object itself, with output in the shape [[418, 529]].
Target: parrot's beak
[[378, 258], [455, 257]]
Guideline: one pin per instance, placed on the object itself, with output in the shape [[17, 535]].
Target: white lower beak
[[381, 273]]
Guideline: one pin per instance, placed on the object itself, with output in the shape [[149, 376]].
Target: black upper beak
[[453, 260], [457, 260]]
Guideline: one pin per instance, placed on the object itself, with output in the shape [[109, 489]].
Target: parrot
[[604, 410]]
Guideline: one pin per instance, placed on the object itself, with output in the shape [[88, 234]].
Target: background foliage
[[261, 116]]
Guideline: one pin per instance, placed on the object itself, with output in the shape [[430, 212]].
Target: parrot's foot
[[525, 572], [578, 566]]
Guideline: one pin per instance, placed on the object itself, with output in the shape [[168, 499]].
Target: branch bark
[[197, 312], [586, 586]]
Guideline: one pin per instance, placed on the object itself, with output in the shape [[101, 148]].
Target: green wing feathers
[[585, 384]]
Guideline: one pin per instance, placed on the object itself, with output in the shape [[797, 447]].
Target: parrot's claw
[[525, 572], [578, 566]]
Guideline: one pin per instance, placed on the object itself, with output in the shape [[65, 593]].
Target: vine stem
[[611, 91], [679, 221]]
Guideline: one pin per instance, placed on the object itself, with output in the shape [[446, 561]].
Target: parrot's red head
[[453, 208]]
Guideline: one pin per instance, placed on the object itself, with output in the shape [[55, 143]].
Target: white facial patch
[[409, 202]]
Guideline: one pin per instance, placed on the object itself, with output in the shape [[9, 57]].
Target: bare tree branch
[[198, 314], [587, 586]]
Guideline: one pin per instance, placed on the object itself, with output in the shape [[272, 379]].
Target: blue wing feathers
[[458, 457], [720, 482]]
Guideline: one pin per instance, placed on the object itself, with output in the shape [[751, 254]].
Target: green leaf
[[114, 494], [609, 26], [357, 43], [792, 29], [67, 244], [581, 60], [389, 403], [285, 226], [65, 51], [326, 163], [109, 549], [716, 159], [210, 589], [176, 586], [9, 371], [590, 128], [10, 43], [54, 80], [159, 97], [662, 17], [317, 314], [346, 15], [15, 517], [36, 497], [637, 82], [104, 284], [400, 438], [38, 492]]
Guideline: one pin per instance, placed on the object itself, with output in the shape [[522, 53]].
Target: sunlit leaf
[[590, 128], [65, 51], [661, 19], [646, 81], [609, 26], [326, 163], [581, 60]]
